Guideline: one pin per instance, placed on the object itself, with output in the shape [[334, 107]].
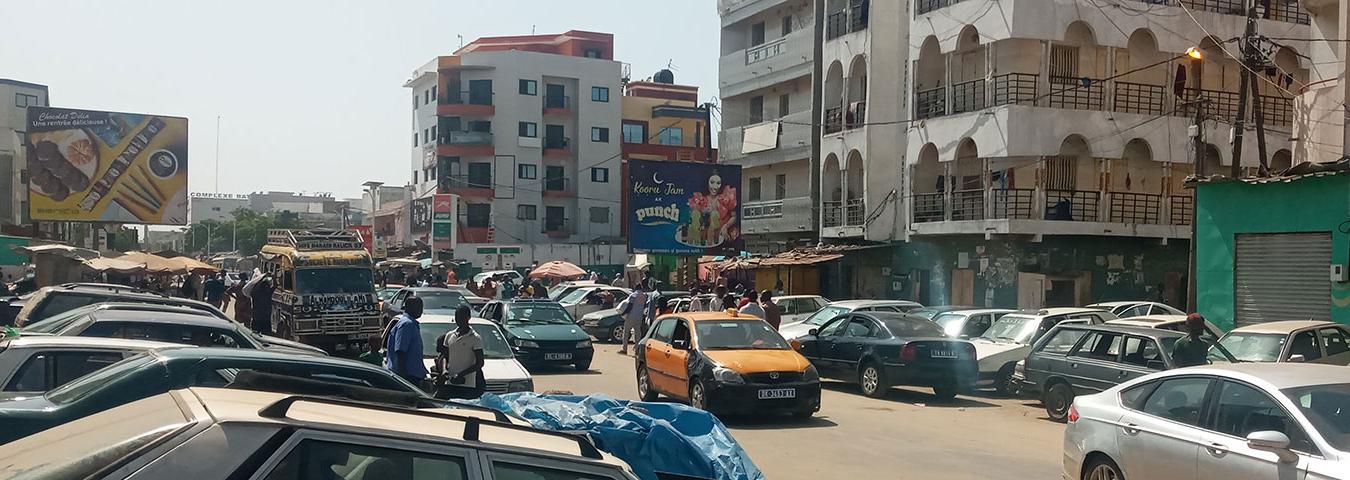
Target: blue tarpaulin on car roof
[[651, 437]]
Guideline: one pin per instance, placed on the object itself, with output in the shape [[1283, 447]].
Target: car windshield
[[547, 314], [824, 315], [575, 296], [334, 280], [951, 322], [441, 300], [1013, 328], [1325, 407], [59, 321], [1254, 347], [738, 335], [494, 343], [912, 327], [82, 386]]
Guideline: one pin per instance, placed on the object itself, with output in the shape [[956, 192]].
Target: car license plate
[[592, 323], [942, 353], [773, 393], [557, 356]]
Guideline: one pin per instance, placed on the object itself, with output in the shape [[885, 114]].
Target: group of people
[[458, 371]]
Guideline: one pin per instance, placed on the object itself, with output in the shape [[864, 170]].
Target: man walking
[[719, 293], [633, 311], [772, 313], [214, 288], [459, 358], [262, 305], [403, 348], [1192, 349], [751, 306]]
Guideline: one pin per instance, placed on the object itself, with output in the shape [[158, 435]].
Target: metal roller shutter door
[[1282, 276]]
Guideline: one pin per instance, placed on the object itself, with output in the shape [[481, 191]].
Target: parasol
[[557, 269]]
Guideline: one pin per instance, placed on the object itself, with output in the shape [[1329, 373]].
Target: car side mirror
[[1297, 358], [1155, 365], [1274, 442], [680, 344], [796, 344], [813, 331]]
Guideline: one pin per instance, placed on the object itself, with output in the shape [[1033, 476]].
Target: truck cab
[[325, 292]]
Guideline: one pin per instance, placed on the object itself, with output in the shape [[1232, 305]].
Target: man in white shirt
[[753, 308], [460, 360]]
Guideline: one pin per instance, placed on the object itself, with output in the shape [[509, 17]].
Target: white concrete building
[[215, 206], [15, 98], [769, 52], [526, 130]]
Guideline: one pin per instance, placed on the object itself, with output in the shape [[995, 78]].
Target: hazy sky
[[309, 92]]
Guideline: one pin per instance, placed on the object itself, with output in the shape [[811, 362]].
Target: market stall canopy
[[153, 263], [67, 251], [192, 265], [785, 259], [401, 262], [117, 265], [557, 269]]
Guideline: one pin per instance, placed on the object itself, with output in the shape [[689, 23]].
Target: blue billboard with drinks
[[684, 208]]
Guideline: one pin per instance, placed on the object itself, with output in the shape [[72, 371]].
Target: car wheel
[[698, 395], [584, 366], [1003, 381], [616, 335], [1057, 399], [946, 391], [1102, 468], [644, 383], [872, 381]]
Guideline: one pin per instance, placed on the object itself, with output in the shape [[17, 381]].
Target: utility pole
[[1257, 117], [1197, 133], [707, 128], [1244, 84]]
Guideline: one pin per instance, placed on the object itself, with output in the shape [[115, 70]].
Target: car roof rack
[[315, 239], [279, 409]]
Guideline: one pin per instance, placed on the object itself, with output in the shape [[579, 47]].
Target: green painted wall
[[1223, 210], [7, 254]]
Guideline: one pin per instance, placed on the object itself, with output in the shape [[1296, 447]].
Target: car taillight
[[909, 353], [1073, 413]]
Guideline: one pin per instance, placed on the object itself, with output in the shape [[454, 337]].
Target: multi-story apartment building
[[15, 98], [662, 121], [769, 53], [1034, 153], [525, 129]]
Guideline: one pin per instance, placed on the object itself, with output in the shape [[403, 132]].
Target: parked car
[[1176, 323], [50, 301], [435, 301], [383, 294], [605, 325], [227, 433], [36, 364], [501, 371], [585, 300], [930, 312], [513, 275], [686, 304], [562, 289], [1137, 308], [968, 323], [1075, 360], [725, 364], [797, 307], [542, 332], [158, 323], [1290, 341], [1241, 421], [475, 302], [1009, 339], [161, 370], [879, 350], [835, 309]]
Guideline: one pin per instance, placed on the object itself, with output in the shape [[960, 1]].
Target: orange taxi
[[725, 363]]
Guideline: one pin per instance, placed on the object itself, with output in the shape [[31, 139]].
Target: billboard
[[684, 208], [86, 165]]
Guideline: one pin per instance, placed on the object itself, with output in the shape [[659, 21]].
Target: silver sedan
[[1239, 421]]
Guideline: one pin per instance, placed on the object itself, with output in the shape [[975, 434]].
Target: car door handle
[[1130, 429], [1122, 374], [1073, 365], [1217, 449]]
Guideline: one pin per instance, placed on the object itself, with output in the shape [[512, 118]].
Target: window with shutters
[[1064, 64], [1061, 173]]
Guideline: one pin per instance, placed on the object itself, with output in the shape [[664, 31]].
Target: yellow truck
[[325, 294]]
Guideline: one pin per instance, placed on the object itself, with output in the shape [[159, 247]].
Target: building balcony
[[466, 144], [477, 186], [851, 19], [652, 151], [557, 105], [1281, 11], [555, 227], [792, 142], [1046, 211], [767, 64], [466, 104], [557, 147], [558, 188], [474, 234], [843, 219]]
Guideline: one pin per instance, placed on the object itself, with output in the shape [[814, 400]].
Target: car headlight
[[811, 375], [526, 385], [727, 375], [1020, 368], [526, 344], [584, 344]]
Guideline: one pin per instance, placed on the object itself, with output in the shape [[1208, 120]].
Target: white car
[[968, 323], [1009, 340], [564, 288], [1233, 422], [512, 274], [38, 363], [1136, 308], [585, 300], [791, 331], [502, 372], [797, 307], [1290, 341], [1175, 323]]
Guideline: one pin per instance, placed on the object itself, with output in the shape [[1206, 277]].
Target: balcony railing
[[1012, 88], [1070, 93], [1140, 98], [929, 207], [554, 226], [764, 209], [557, 142], [968, 96], [556, 185], [1219, 105], [1282, 10], [856, 116], [834, 119], [464, 98], [1277, 110], [930, 103], [832, 214], [854, 212], [467, 181], [557, 102], [1075, 205], [1013, 203], [1181, 209], [925, 6], [468, 138], [968, 204], [836, 25], [1135, 207], [766, 51]]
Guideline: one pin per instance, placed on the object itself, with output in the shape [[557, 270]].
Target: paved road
[[908, 435]]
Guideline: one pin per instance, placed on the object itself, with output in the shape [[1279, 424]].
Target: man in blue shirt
[[403, 348]]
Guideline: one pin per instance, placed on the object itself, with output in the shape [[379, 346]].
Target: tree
[[246, 231]]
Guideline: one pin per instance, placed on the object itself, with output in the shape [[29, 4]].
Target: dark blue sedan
[[879, 350]]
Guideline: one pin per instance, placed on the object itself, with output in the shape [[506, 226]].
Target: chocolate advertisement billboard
[[96, 166]]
